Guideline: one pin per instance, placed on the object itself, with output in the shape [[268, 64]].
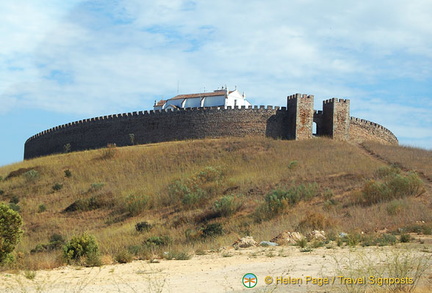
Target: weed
[[292, 165], [143, 226], [109, 152], [123, 256], [96, 186], [405, 238], [158, 241], [41, 208], [57, 186], [30, 275], [227, 205], [395, 207], [302, 243], [68, 173], [212, 230], [14, 207], [315, 221], [31, 176], [177, 255], [15, 199], [67, 148], [391, 187]]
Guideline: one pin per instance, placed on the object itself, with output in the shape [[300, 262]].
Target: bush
[[31, 175], [405, 238], [278, 200], [10, 231], [227, 205], [57, 186], [96, 186], [395, 207], [1, 191], [15, 207], [393, 186], [15, 199], [85, 204], [212, 230], [68, 173], [56, 241], [82, 249], [135, 204], [143, 226], [41, 208], [158, 241]]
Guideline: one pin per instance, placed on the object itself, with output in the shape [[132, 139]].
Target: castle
[[183, 118]]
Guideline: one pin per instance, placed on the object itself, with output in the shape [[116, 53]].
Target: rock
[[268, 243], [244, 242], [286, 237], [316, 235]]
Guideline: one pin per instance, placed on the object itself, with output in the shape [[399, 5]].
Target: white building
[[217, 98]]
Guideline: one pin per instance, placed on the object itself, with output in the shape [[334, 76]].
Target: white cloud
[[93, 57]]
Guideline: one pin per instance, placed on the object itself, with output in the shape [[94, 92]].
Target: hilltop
[[197, 195]]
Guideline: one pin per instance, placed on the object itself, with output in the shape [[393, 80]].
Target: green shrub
[[387, 171], [10, 231], [395, 207], [210, 174], [15, 207], [31, 175], [1, 191], [68, 173], [96, 186], [57, 186], [177, 255], [227, 205], [82, 249], [158, 241], [15, 199], [279, 199], [391, 187], [41, 208], [143, 226], [292, 165], [56, 241], [386, 239], [212, 230], [405, 238]]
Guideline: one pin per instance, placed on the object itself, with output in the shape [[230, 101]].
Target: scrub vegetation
[[171, 199]]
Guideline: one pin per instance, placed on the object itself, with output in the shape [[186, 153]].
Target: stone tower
[[336, 119], [300, 113]]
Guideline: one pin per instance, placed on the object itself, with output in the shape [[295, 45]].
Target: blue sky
[[62, 61]]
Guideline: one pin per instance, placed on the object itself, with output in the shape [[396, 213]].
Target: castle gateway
[[188, 117]]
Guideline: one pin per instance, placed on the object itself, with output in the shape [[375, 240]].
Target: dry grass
[[116, 180]]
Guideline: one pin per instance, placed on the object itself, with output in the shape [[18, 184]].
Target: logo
[[249, 280]]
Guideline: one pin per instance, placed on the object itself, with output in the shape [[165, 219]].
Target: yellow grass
[[251, 168]]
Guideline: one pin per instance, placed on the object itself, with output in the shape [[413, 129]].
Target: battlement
[[292, 122], [335, 100], [300, 96]]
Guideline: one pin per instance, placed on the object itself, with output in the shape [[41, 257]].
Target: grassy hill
[[190, 196]]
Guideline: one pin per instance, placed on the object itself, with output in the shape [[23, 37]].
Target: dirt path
[[223, 272]]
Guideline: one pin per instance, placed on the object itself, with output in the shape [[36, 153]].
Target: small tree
[[10, 230]]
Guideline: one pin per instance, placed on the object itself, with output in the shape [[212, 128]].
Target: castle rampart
[[292, 122]]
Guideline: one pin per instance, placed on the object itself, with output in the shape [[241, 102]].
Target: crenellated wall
[[294, 122], [157, 126], [362, 130]]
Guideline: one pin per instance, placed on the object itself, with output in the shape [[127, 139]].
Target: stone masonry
[[294, 122]]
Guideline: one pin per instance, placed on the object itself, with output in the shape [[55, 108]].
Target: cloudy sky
[[62, 61]]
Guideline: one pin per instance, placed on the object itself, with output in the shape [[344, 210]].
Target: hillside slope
[[247, 186]]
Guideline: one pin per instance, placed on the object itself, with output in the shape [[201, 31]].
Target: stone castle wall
[[158, 126], [294, 122]]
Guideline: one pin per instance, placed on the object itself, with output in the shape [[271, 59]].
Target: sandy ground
[[223, 272]]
